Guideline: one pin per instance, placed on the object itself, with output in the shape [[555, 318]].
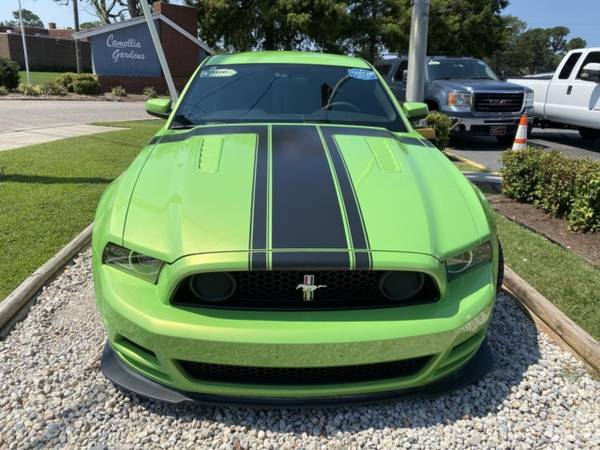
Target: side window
[[565, 72], [383, 69], [592, 57], [398, 76]]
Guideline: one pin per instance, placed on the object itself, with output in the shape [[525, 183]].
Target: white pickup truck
[[571, 95]]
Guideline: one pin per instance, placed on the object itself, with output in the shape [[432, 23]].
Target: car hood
[[478, 85], [286, 189]]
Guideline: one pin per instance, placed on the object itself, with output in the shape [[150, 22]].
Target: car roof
[[288, 57]]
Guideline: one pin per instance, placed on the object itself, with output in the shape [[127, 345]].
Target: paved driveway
[[26, 122], [488, 152]]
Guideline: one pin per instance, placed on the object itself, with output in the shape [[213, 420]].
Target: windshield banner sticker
[[217, 72], [362, 74]]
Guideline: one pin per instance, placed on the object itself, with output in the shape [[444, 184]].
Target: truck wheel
[[589, 133], [507, 139]]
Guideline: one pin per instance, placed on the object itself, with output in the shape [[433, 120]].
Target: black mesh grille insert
[[304, 375], [498, 102], [278, 290]]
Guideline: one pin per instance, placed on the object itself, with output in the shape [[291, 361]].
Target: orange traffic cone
[[521, 137]]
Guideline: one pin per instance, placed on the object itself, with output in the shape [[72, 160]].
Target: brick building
[[49, 49], [123, 53]]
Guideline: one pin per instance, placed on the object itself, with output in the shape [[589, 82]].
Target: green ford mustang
[[288, 237]]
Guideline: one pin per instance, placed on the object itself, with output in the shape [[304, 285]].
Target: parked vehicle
[[467, 90], [571, 95], [288, 237]]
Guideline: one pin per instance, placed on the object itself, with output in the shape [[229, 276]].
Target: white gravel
[[52, 395]]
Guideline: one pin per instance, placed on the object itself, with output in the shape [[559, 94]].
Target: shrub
[[86, 84], [65, 80], [9, 73], [562, 186], [52, 88], [441, 123], [29, 89], [520, 174], [150, 92], [4, 90], [118, 91]]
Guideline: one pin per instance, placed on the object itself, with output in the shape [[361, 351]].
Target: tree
[[107, 11], [88, 25], [30, 19], [238, 25], [558, 41], [576, 43]]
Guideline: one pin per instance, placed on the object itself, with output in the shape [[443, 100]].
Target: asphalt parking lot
[[488, 152], [52, 395], [27, 122]]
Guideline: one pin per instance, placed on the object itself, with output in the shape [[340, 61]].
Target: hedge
[[561, 186], [441, 124], [9, 73]]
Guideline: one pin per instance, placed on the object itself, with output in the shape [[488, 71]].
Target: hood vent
[[211, 148]]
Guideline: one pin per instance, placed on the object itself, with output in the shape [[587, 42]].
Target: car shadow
[[513, 340]]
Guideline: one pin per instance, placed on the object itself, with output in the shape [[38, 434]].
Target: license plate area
[[497, 131]]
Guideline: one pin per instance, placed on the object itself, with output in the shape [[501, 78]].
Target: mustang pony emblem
[[309, 287]]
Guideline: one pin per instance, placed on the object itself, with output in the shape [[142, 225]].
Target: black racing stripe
[[428, 143], [258, 260], [410, 140], [358, 233], [310, 260], [211, 130], [305, 208]]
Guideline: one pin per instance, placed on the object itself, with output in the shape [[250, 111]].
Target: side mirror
[[591, 72], [159, 107], [415, 111], [405, 76]]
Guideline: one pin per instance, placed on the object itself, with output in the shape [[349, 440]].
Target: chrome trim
[[520, 111]]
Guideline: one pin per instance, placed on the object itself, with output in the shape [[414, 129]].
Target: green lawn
[[562, 277], [49, 193], [39, 77]]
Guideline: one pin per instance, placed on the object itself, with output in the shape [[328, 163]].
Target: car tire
[[507, 139], [589, 134], [500, 268]]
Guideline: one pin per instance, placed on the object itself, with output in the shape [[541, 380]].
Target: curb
[[13, 307], [563, 330], [469, 161]]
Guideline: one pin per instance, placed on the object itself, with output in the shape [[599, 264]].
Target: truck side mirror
[[591, 72], [159, 107]]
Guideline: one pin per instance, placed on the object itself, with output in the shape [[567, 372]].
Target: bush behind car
[[9, 73]]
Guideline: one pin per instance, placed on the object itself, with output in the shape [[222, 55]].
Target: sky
[[580, 16]]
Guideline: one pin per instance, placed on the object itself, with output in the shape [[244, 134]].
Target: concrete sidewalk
[[27, 122], [15, 139]]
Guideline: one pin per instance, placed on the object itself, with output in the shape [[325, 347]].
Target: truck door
[[397, 81], [570, 99]]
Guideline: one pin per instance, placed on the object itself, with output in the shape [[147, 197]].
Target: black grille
[[277, 290], [498, 102], [304, 375]]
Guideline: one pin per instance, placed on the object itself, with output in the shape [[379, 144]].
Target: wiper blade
[[182, 126]]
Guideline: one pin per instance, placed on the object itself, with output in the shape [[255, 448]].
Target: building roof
[[289, 57], [137, 20]]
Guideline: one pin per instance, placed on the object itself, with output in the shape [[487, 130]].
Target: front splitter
[[128, 380]]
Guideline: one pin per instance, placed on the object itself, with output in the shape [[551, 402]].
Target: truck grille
[[346, 289], [498, 102], [304, 375]]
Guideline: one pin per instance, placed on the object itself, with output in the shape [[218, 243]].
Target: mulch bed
[[586, 245]]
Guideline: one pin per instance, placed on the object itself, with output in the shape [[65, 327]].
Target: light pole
[[24, 45], [159, 50], [417, 52], [76, 26]]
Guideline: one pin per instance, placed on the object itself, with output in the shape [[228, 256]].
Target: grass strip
[[567, 280], [49, 193]]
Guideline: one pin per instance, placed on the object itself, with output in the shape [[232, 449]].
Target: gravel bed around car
[[52, 395]]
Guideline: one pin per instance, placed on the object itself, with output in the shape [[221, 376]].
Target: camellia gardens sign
[[123, 53], [128, 51]]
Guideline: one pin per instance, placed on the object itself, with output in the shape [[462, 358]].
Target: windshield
[[447, 69], [287, 93]]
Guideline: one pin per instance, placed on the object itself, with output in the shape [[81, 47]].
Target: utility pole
[[24, 45], [76, 26], [417, 52], [159, 50]]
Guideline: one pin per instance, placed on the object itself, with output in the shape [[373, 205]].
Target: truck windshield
[[470, 69], [287, 93]]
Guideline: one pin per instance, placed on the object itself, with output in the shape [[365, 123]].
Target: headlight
[[132, 262], [469, 259], [460, 100], [529, 99]]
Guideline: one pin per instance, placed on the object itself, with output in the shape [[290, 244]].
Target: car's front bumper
[[486, 125], [152, 337]]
